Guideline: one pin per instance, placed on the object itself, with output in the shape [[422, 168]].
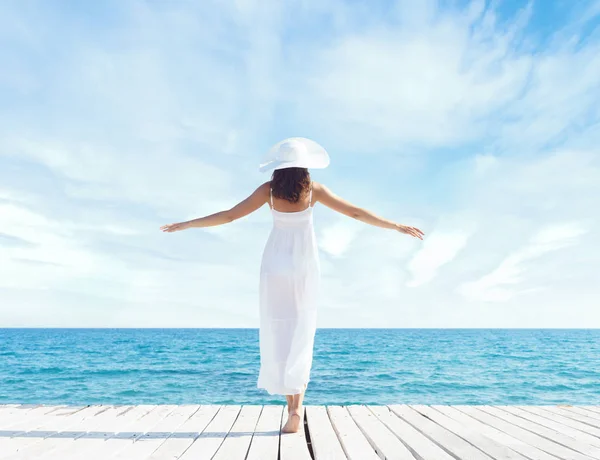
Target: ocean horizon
[[350, 366]]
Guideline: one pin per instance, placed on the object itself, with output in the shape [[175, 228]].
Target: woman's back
[[282, 205], [289, 278]]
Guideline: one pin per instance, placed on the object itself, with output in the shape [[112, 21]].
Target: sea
[[350, 366]]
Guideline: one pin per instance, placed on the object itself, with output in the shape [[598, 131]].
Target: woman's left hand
[[412, 231], [169, 228]]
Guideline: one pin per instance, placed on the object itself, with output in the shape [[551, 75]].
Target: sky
[[478, 122]]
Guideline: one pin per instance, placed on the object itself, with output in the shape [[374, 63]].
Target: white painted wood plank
[[7, 409], [493, 433], [265, 442], [23, 423], [17, 414], [88, 428], [530, 438], [564, 420], [441, 436], [208, 443], [560, 427], [355, 445], [34, 431], [293, 445], [595, 409], [384, 442], [418, 443], [582, 411], [22, 418], [324, 440], [145, 444], [121, 433], [63, 439], [92, 433], [154, 422], [491, 447], [183, 437], [572, 415], [64, 420], [237, 442], [558, 437]]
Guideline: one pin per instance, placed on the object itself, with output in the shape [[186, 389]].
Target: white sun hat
[[295, 152]]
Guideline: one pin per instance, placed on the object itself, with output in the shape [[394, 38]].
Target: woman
[[289, 273]]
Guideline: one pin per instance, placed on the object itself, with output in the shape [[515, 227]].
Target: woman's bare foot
[[293, 423]]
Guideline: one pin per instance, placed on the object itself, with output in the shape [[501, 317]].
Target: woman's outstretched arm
[[249, 205], [331, 200]]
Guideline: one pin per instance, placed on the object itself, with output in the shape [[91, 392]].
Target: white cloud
[[163, 114], [337, 237], [439, 248], [501, 284]]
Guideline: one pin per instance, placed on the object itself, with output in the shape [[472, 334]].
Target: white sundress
[[289, 281]]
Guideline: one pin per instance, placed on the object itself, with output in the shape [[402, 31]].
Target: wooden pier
[[161, 432]]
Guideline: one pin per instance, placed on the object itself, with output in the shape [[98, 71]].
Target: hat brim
[[316, 163], [313, 157]]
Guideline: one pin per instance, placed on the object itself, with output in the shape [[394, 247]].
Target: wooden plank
[[208, 443], [560, 427], [583, 411], [441, 436], [91, 433], [14, 415], [22, 418], [7, 409], [158, 428], [556, 436], [533, 439], [564, 420], [237, 442], [34, 447], [559, 433], [384, 442], [96, 442], [417, 442], [293, 445], [572, 415], [26, 430], [265, 442], [493, 433], [34, 431], [64, 438], [355, 445], [595, 409], [146, 444], [491, 447], [87, 429], [123, 432], [325, 443], [183, 437]]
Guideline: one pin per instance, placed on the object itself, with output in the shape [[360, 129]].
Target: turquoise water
[[376, 366]]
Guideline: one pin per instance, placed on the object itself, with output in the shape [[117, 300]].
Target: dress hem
[[282, 392]]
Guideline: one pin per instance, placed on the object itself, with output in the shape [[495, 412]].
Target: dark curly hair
[[291, 184]]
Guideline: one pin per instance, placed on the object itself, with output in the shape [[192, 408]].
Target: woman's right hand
[[412, 231]]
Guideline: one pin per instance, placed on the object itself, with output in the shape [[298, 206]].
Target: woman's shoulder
[[318, 187]]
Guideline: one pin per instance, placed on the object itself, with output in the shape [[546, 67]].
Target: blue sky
[[477, 121]]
